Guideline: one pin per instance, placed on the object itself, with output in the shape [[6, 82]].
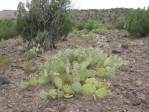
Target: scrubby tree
[[43, 16], [21, 12], [137, 22]]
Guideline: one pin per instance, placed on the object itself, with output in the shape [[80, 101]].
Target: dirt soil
[[129, 90]]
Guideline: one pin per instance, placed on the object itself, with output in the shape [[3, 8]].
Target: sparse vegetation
[[119, 24], [91, 37], [89, 25], [113, 44], [33, 52], [28, 67], [146, 50], [2, 43], [73, 69], [7, 28], [4, 61], [92, 25]]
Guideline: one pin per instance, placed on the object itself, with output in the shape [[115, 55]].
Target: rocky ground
[[129, 90]]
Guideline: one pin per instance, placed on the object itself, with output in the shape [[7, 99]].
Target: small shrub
[[113, 44], [28, 67], [7, 28], [119, 25], [4, 61], [91, 37], [77, 71], [33, 52], [137, 22], [2, 44], [91, 25], [68, 25]]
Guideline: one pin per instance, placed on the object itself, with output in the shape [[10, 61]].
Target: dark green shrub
[[81, 25], [44, 15], [137, 22], [7, 28], [92, 25], [119, 24], [89, 25], [68, 25]]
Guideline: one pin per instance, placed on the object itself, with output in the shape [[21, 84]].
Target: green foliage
[[146, 41], [52, 93], [33, 81], [88, 89], [110, 71], [101, 72], [102, 92], [44, 94], [42, 80], [58, 82], [75, 71], [44, 22], [119, 24], [102, 29], [92, 25], [137, 22], [2, 44], [67, 96], [28, 67], [113, 44], [41, 39], [24, 84], [68, 26], [146, 50], [33, 52], [91, 37], [7, 28], [102, 84], [68, 89], [76, 86], [92, 81], [114, 62]]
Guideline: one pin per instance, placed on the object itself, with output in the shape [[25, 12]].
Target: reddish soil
[[129, 90]]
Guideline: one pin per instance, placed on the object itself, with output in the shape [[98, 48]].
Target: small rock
[[3, 81], [147, 62], [49, 110], [124, 46], [138, 83], [116, 51]]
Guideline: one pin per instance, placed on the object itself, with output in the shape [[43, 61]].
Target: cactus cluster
[[77, 71]]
